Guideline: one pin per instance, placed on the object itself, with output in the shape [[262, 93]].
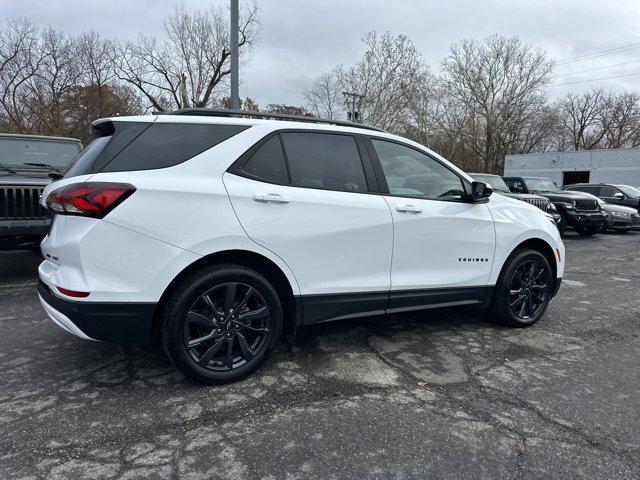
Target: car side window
[[410, 173], [267, 163], [518, 186], [607, 191], [324, 161]]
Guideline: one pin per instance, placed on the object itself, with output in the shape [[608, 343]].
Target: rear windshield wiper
[[7, 169], [55, 171]]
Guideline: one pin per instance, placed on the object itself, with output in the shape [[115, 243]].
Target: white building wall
[[606, 166]]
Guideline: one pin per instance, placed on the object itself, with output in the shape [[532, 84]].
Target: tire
[[588, 231], [224, 346], [621, 230], [504, 306], [562, 226]]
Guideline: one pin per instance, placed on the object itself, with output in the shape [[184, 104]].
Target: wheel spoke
[[530, 305], [193, 317], [247, 353], [228, 359], [229, 298], [259, 331], [197, 341], [216, 313], [254, 314], [522, 308], [206, 357], [518, 300], [246, 298], [539, 288]]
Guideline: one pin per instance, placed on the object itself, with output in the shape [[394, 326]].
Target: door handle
[[270, 198], [409, 209]]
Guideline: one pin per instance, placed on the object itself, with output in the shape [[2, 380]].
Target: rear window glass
[[126, 146], [167, 144], [19, 151], [268, 163], [325, 161]]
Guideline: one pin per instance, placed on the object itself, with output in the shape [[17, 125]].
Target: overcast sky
[[299, 39]]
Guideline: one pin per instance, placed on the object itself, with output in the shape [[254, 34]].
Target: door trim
[[322, 308]]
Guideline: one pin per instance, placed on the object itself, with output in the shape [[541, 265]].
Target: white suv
[[216, 230]]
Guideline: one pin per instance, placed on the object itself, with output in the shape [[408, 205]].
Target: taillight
[[73, 293], [90, 199]]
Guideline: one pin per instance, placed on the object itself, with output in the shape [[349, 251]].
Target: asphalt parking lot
[[441, 394]]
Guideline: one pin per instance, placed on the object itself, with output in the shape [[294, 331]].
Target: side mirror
[[619, 196], [480, 191]]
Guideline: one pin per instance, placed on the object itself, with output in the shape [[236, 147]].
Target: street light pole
[[233, 38], [351, 99]]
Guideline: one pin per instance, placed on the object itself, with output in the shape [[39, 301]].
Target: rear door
[[443, 245], [305, 196]]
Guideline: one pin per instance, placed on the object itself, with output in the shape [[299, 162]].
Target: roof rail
[[223, 112]]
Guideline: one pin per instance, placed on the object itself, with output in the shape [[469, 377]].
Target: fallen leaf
[[422, 383], [520, 446]]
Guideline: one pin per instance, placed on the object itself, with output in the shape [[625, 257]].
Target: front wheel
[[523, 290], [220, 324]]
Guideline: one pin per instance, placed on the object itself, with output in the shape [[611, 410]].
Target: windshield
[[20, 151], [628, 190], [541, 185], [494, 181]]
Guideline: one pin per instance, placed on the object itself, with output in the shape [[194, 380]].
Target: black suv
[[26, 161], [576, 210], [621, 194], [498, 185]]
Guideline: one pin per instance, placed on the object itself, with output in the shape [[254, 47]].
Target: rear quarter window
[[167, 144]]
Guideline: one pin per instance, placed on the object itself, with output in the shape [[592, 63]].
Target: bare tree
[[383, 81], [622, 121], [189, 68], [20, 60], [325, 98], [60, 71], [583, 118], [500, 84]]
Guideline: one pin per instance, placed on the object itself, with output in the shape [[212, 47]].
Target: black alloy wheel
[[220, 323], [529, 289], [524, 289], [227, 326]]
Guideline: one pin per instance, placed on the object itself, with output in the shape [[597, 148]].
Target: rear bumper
[[110, 322]]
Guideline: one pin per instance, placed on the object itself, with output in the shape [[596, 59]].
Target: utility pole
[[351, 99], [233, 38]]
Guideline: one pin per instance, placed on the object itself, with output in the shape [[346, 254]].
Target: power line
[[601, 53], [594, 69], [595, 79]]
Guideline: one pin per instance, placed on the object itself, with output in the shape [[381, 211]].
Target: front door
[[443, 245]]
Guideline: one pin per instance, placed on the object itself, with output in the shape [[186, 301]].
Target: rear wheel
[[220, 325], [523, 290]]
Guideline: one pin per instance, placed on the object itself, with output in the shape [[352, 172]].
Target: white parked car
[[217, 230]]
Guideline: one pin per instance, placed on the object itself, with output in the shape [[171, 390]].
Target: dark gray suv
[[26, 163], [619, 194]]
